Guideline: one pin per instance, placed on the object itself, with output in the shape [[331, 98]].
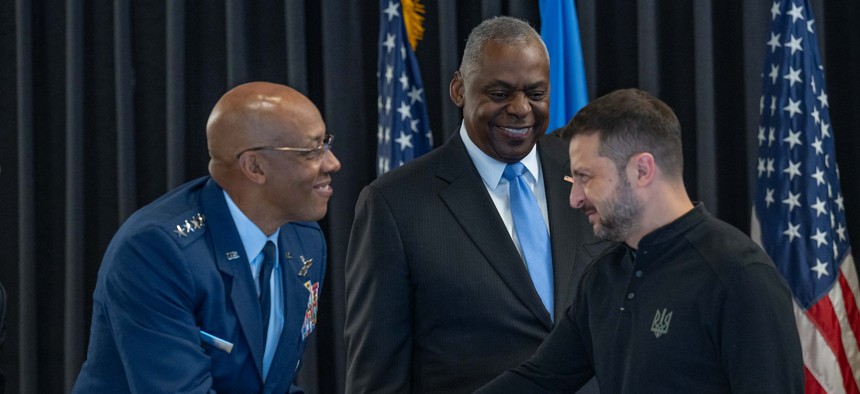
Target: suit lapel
[[563, 231], [295, 305], [467, 198], [243, 292]]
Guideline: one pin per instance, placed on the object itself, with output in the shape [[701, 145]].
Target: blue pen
[[216, 342]]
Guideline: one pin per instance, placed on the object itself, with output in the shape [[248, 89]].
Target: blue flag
[[799, 213], [403, 129], [560, 31]]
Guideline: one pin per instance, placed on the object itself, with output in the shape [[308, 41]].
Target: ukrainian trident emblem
[[660, 325]]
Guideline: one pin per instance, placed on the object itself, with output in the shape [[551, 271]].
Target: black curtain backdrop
[[103, 107]]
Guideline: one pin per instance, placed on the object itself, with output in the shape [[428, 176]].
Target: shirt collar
[[253, 239], [670, 233], [491, 169]]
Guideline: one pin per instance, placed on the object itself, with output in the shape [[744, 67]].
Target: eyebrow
[[506, 85], [317, 139], [581, 172], [537, 85]]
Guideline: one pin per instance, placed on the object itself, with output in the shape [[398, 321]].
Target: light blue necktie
[[532, 233]]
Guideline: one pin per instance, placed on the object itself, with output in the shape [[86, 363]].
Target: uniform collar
[[253, 239]]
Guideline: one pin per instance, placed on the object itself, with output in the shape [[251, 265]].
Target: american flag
[[799, 213], [403, 129]]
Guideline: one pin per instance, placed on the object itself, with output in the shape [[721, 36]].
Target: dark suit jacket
[[438, 298], [157, 289]]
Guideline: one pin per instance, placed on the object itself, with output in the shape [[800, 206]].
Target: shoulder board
[[186, 227]]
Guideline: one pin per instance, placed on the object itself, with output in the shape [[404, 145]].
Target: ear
[[249, 164], [457, 89], [642, 169]]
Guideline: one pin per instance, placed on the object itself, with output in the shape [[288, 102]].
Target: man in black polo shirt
[[686, 302]]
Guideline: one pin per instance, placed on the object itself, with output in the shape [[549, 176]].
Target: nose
[[519, 105], [330, 163], [577, 197]]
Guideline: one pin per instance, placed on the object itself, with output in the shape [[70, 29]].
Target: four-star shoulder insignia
[[190, 225]]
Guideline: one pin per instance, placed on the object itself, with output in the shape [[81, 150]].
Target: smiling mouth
[[516, 131], [324, 187], [589, 213]]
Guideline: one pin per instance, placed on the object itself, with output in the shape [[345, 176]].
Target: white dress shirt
[[491, 171]]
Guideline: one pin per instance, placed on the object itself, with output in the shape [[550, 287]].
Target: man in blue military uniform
[[214, 286]]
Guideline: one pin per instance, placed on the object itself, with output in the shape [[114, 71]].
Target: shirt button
[[639, 274], [630, 296]]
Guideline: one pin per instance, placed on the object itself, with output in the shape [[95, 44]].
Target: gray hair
[[501, 29]]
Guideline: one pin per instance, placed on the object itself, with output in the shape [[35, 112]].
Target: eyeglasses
[[316, 153], [569, 179]]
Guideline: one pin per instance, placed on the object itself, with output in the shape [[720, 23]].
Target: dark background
[[103, 107]]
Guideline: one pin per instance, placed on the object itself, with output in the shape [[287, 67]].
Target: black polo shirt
[[697, 308]]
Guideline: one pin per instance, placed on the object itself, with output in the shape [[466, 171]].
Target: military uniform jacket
[[178, 267]]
